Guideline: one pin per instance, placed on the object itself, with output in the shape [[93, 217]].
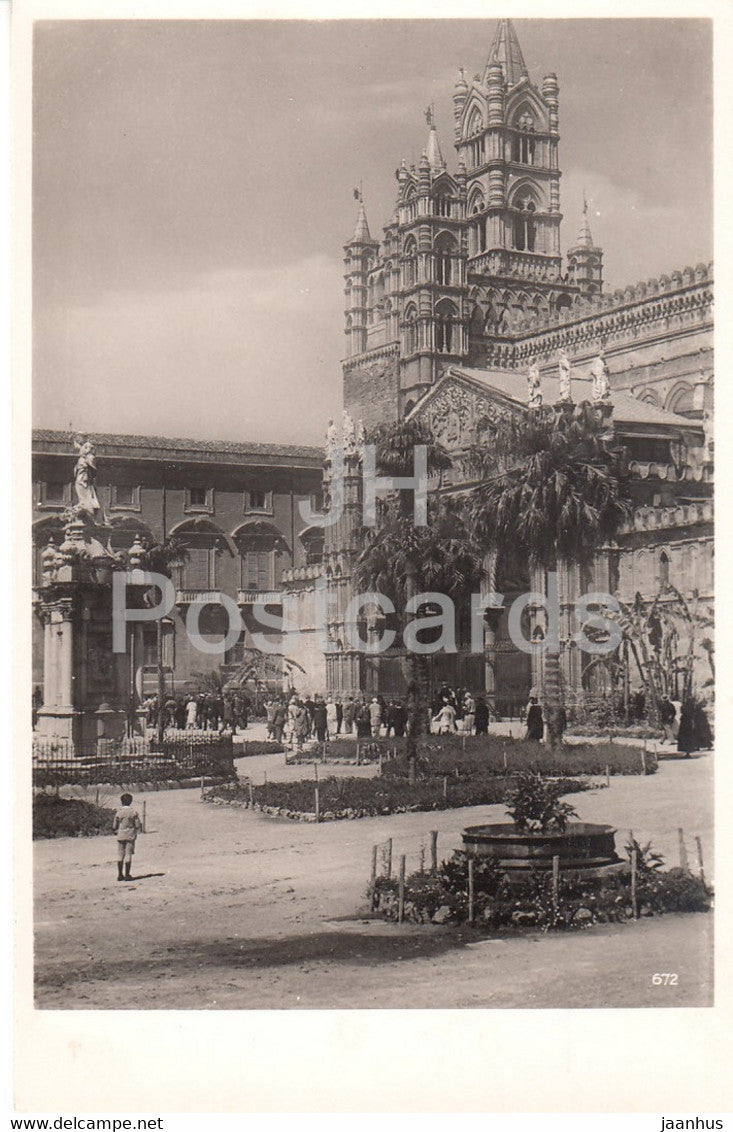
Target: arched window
[[475, 123], [411, 203], [443, 205], [445, 328], [523, 142], [410, 330], [445, 249], [525, 224], [477, 230], [664, 571], [410, 263]]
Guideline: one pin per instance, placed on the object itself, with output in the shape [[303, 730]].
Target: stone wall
[[371, 386]]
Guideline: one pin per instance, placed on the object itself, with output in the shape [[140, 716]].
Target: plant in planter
[[535, 807]]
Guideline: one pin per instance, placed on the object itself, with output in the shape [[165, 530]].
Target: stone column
[[49, 660], [65, 631]]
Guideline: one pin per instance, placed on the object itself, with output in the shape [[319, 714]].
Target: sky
[[193, 189]]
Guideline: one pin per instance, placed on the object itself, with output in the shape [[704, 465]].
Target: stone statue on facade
[[361, 435], [85, 475], [534, 392], [563, 363], [601, 381], [331, 439], [349, 434]]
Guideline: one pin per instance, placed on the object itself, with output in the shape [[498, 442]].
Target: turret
[[585, 260], [357, 257]]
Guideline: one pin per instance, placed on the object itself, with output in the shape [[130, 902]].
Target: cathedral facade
[[466, 291]]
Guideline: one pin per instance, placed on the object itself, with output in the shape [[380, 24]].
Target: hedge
[[69, 817], [341, 798]]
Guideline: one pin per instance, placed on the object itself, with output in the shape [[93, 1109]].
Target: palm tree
[[556, 495], [400, 559], [162, 558]]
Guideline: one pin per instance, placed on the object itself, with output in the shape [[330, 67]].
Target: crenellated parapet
[[661, 518], [623, 314]]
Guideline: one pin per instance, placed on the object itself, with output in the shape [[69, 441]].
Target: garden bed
[[69, 817], [348, 798], [442, 897], [483, 754], [502, 755]]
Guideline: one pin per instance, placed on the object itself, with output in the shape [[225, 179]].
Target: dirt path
[[235, 910]]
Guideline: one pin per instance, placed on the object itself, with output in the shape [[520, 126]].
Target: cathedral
[[464, 314], [465, 294]]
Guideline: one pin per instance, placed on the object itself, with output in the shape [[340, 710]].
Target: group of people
[[206, 711], [458, 710], [298, 718], [686, 722]]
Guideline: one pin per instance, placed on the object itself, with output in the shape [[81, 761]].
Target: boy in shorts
[[126, 825]]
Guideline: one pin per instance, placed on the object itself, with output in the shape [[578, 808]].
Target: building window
[[443, 206], [54, 493], [410, 264], [525, 225], [410, 331], [445, 328], [199, 499], [258, 501], [444, 253], [257, 570], [523, 142], [664, 571], [199, 572], [124, 496]]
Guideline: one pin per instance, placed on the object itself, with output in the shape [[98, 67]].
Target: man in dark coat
[[686, 738], [399, 719], [481, 717], [320, 720], [535, 722]]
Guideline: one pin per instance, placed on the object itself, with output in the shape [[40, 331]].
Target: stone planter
[[581, 846]]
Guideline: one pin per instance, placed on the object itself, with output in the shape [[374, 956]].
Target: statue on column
[[331, 439], [563, 363], [601, 381], [361, 435], [349, 430], [534, 392], [85, 475]]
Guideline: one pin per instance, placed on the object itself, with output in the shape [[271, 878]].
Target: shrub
[[534, 805], [526, 901], [261, 747], [68, 817]]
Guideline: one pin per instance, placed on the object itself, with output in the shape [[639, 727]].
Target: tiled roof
[[627, 409], [161, 447]]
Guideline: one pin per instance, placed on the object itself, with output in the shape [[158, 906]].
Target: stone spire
[[506, 51], [434, 155], [584, 240], [361, 231]]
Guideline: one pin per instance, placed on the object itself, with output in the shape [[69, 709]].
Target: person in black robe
[[320, 720], [535, 722], [686, 738], [481, 717]]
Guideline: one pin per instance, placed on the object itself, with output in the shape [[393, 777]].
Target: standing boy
[[126, 825]]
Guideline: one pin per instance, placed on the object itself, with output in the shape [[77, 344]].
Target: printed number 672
[[665, 979]]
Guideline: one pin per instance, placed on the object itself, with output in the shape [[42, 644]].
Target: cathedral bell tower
[[431, 212], [507, 134]]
